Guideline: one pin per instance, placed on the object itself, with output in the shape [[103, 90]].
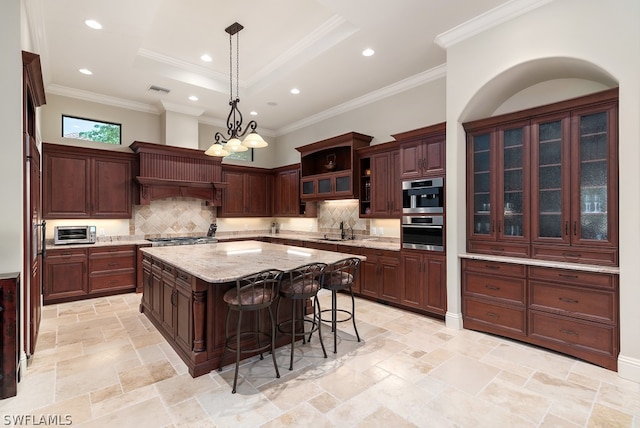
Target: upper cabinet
[[286, 194], [86, 183], [422, 152], [542, 183], [328, 167], [380, 186], [248, 192]]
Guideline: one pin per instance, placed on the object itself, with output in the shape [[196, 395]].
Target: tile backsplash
[[331, 213], [172, 216]]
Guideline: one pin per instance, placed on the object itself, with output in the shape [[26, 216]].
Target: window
[[91, 130]]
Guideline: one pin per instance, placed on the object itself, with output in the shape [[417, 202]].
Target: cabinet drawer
[[597, 305], [183, 276], [112, 282], [604, 256], [111, 263], [494, 316], [168, 270], [593, 279], [507, 249], [67, 253], [494, 267], [584, 335], [510, 289], [109, 251]]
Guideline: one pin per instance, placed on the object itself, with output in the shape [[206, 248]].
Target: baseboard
[[453, 320], [629, 368]]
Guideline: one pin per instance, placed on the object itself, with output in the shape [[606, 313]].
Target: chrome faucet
[[342, 234]]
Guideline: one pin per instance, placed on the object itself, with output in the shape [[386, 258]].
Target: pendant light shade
[[254, 140], [216, 149], [234, 145]]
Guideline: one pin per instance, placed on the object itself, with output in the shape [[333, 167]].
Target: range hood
[[167, 171]]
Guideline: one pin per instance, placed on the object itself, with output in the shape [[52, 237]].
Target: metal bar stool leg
[[353, 313]]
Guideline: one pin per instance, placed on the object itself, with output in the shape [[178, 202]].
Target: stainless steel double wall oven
[[423, 214]]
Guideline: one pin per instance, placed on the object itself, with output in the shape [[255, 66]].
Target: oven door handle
[[423, 226]]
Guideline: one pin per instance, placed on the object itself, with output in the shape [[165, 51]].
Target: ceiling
[[313, 45]]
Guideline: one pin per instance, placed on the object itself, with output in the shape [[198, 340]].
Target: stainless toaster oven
[[74, 235]]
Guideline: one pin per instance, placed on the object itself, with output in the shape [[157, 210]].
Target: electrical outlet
[[374, 231], [380, 231]]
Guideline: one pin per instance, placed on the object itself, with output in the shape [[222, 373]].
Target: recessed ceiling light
[[206, 58], [193, 98], [91, 23], [85, 71], [368, 52], [253, 113], [295, 91]]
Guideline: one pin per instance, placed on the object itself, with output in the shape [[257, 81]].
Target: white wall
[[11, 161], [600, 41], [411, 109], [136, 125]]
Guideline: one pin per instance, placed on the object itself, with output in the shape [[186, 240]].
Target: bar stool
[[339, 276], [252, 293], [300, 284]]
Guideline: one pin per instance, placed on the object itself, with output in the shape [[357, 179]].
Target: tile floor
[[101, 363]]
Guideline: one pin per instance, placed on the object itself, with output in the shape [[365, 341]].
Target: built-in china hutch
[[542, 227]]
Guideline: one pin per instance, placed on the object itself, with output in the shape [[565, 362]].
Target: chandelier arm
[[219, 138]]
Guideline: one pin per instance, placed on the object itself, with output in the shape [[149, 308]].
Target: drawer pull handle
[[567, 300], [493, 314], [567, 275], [492, 287], [492, 267], [569, 332], [570, 254], [113, 264], [501, 249]]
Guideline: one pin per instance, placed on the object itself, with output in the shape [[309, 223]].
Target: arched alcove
[[581, 77]]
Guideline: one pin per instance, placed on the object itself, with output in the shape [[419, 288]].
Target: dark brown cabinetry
[[168, 296], [422, 152], [380, 275], [425, 283], [328, 167], [542, 183], [286, 200], [86, 183], [112, 269], [65, 275], [574, 312], [380, 186], [79, 273], [9, 334], [248, 192]]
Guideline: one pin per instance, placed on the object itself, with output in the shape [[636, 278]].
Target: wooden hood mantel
[[167, 171]]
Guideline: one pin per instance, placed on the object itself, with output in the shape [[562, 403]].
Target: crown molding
[[101, 99], [489, 19], [419, 79]]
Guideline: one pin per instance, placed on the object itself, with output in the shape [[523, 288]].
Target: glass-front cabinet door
[[513, 204], [480, 175], [550, 184], [592, 204]]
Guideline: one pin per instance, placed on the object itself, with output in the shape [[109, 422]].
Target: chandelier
[[235, 128]]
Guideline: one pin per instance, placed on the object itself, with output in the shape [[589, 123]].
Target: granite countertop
[[102, 243], [225, 261], [542, 263], [392, 244]]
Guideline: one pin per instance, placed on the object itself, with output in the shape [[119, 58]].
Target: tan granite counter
[[543, 263], [225, 261], [377, 243]]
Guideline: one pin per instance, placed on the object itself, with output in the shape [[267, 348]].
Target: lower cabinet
[[65, 275], [574, 312], [425, 281], [380, 275], [80, 273], [168, 295]]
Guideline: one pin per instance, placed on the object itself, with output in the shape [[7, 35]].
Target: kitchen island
[[183, 288]]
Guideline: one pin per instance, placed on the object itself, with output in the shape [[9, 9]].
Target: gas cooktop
[[182, 240]]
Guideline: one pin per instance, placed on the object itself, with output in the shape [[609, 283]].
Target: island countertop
[[224, 262]]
